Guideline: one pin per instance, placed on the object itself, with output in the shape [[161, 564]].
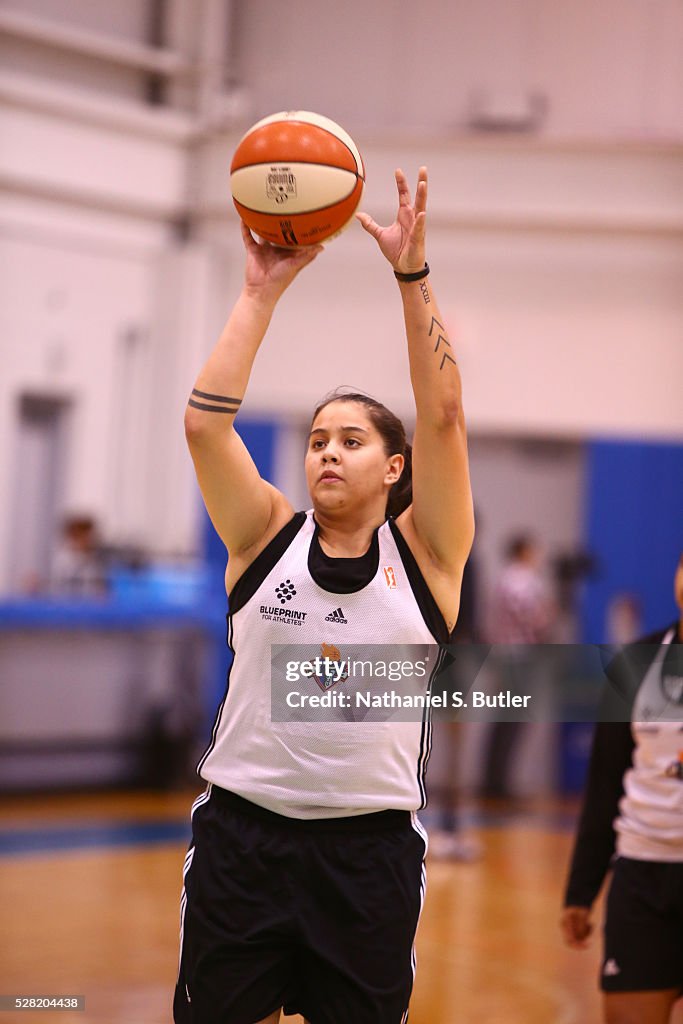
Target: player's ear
[[395, 464]]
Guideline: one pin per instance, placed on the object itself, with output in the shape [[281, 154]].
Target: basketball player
[[634, 801], [304, 880]]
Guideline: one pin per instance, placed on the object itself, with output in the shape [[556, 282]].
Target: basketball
[[296, 178]]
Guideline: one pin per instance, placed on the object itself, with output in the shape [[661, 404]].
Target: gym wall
[[555, 247]]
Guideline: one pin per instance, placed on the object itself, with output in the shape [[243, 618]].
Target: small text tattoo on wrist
[[223, 404], [425, 292]]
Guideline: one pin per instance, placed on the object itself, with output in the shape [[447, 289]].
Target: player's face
[[678, 584], [346, 464]]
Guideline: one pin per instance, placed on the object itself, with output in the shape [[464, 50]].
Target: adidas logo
[[336, 616], [611, 968]]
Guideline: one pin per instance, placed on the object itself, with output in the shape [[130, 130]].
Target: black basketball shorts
[[643, 930], [318, 917]]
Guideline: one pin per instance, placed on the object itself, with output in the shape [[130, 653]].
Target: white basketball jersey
[[650, 822], [327, 768]]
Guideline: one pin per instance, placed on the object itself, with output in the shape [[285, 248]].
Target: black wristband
[[417, 276]]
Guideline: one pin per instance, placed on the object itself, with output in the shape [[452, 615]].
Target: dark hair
[[518, 546], [77, 525], [393, 434]]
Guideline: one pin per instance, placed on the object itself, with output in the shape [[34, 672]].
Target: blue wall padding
[[575, 746], [634, 527]]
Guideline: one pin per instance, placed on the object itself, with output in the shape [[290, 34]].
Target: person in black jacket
[[633, 807]]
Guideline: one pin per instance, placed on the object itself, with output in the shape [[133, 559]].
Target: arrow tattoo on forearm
[[440, 338]]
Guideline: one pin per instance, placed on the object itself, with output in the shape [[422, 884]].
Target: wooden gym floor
[[90, 886]]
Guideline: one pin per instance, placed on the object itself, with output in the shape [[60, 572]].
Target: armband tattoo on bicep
[[224, 403]]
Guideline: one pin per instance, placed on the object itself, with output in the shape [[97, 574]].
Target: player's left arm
[[441, 512]]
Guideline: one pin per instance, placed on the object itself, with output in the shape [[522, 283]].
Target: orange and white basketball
[[297, 178]]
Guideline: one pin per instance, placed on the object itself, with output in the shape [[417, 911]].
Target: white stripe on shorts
[[183, 903], [419, 828], [201, 799]]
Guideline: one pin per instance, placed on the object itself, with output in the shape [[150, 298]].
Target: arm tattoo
[[441, 338], [227, 405], [217, 398], [425, 292]]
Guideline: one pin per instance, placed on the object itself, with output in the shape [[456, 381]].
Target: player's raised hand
[[270, 269], [403, 242]]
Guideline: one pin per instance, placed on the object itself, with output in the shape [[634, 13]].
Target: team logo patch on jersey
[[290, 617], [390, 577], [285, 591], [271, 613], [336, 616], [334, 671]]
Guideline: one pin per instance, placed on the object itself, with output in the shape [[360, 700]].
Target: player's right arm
[[594, 845], [242, 505]]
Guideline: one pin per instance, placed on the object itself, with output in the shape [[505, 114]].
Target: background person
[[78, 567], [450, 839], [633, 804], [522, 613]]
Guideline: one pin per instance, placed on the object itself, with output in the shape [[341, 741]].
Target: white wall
[[609, 68], [90, 311], [557, 257]]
